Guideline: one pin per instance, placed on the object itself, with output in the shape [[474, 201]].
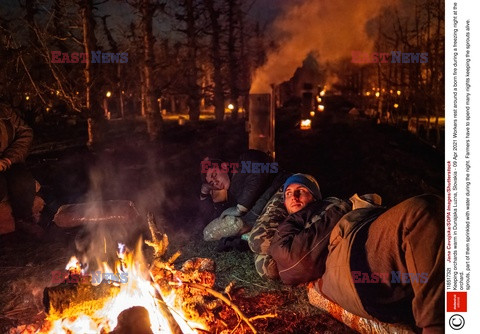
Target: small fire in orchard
[[99, 302], [134, 297]]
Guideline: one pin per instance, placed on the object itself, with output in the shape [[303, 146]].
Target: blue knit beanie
[[306, 180]]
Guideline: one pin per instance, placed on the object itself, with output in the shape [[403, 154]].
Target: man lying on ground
[[238, 191], [400, 250], [302, 189]]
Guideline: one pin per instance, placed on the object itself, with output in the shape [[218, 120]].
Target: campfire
[[134, 297]]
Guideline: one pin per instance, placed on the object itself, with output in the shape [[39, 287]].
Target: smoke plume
[[330, 28]]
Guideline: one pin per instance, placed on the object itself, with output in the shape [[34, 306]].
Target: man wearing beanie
[[307, 181], [302, 189], [304, 208], [371, 261], [299, 194]]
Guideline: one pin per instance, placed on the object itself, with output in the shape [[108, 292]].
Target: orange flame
[[139, 290]]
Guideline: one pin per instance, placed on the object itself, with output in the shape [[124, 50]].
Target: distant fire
[[305, 124]]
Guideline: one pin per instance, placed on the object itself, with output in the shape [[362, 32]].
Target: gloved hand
[[233, 211], [4, 164], [206, 189]]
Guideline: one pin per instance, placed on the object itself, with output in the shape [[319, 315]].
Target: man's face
[[297, 196], [218, 179]]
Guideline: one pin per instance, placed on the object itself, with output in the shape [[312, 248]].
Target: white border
[[466, 10]]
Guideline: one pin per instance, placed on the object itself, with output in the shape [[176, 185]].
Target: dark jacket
[[246, 186], [300, 246], [253, 189], [15, 136]]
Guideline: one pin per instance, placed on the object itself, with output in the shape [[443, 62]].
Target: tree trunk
[[153, 117], [92, 105], [245, 67], [219, 97], [194, 89], [232, 57], [118, 68]]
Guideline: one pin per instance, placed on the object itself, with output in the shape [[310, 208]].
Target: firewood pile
[[193, 286]]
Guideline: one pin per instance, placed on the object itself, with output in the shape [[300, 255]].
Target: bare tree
[[191, 31], [219, 96], [89, 45], [147, 10], [245, 77], [232, 17], [92, 103], [414, 89], [117, 82], [154, 119]]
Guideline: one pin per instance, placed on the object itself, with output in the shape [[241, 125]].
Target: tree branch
[[229, 303]]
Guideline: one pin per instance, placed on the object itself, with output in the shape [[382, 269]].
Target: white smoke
[[330, 28]]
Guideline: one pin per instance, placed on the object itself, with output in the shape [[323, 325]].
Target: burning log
[[159, 244], [69, 299], [159, 240], [162, 272], [172, 323], [133, 320], [191, 301]]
